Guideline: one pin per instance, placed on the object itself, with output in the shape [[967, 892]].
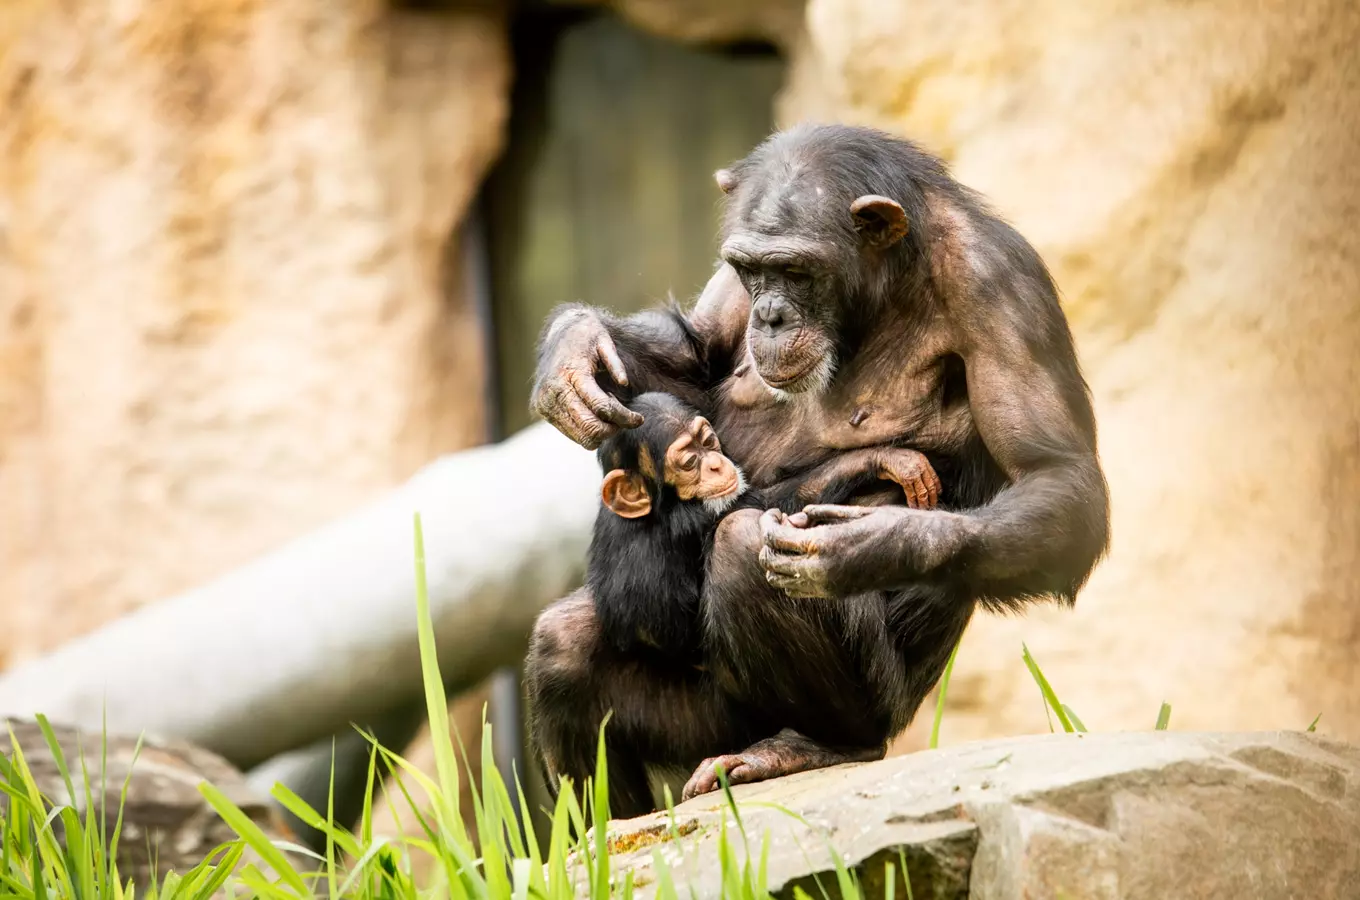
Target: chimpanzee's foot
[[784, 754]]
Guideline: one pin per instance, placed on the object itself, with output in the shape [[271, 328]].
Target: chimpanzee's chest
[[885, 396]]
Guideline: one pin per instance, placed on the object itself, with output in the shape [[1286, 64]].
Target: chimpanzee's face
[[800, 244], [794, 313], [696, 467]]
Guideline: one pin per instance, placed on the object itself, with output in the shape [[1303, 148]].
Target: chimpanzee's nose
[[770, 313]]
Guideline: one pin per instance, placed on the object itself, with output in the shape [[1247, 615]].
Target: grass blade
[[600, 819], [1164, 717], [526, 815], [939, 700], [313, 819], [1313, 726], [257, 839], [436, 702], [1050, 696], [520, 880], [665, 884], [1077, 723], [221, 870]]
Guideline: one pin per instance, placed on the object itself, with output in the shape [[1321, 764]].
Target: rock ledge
[[1125, 815]]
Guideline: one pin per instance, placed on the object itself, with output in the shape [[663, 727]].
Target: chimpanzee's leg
[[662, 715], [840, 678]]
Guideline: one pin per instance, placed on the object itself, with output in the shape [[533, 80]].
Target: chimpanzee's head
[[672, 456], [817, 229]]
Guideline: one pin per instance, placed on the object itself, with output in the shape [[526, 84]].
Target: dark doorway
[[605, 194]]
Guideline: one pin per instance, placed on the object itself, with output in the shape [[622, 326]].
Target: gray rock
[[1154, 815], [165, 818]]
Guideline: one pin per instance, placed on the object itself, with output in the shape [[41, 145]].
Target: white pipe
[[296, 645]]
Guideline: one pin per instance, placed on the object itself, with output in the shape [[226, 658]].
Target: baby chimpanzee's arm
[[840, 479]]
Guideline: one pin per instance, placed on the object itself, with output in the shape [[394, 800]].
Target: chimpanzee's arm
[[1046, 530], [590, 362], [843, 476]]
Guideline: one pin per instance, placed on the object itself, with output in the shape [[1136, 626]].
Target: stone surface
[[1133, 816], [1189, 173], [231, 301], [165, 818]]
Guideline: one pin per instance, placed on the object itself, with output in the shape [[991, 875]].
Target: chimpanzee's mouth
[[722, 502], [784, 383], [731, 488], [800, 364], [784, 377], [813, 379]]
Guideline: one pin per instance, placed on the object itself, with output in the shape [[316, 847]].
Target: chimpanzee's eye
[[798, 276], [689, 461], [711, 441]]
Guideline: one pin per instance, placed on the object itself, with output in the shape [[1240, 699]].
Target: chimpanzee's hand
[[836, 551], [911, 470], [566, 392]]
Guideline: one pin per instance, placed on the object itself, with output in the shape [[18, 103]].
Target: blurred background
[[261, 262]]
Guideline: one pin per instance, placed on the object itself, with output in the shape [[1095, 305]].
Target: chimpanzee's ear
[[879, 221], [726, 180], [626, 494]]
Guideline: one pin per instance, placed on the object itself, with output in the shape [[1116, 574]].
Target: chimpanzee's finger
[[772, 562], [792, 566], [933, 487], [703, 781], [917, 491], [586, 428], [609, 355], [798, 520], [785, 539], [606, 407], [819, 513], [796, 585], [769, 520]]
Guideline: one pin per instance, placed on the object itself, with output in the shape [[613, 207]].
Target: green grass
[[498, 857]]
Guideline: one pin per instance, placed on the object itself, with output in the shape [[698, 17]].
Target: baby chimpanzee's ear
[[626, 494], [880, 221]]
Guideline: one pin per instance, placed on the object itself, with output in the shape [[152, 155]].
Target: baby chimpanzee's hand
[[911, 470]]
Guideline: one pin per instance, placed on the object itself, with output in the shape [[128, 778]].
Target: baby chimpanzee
[[666, 485]]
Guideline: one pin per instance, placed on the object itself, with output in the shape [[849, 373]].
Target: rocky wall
[[231, 303]]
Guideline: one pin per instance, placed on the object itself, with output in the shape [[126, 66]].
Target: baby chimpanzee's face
[[696, 467]]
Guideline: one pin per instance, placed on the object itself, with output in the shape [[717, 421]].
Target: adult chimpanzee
[[866, 299], [667, 483]]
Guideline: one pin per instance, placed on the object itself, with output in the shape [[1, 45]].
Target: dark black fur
[[646, 575]]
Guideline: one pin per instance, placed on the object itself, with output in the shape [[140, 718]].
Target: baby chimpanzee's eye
[[689, 461]]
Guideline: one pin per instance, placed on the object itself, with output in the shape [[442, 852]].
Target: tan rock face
[[230, 297], [1189, 173]]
